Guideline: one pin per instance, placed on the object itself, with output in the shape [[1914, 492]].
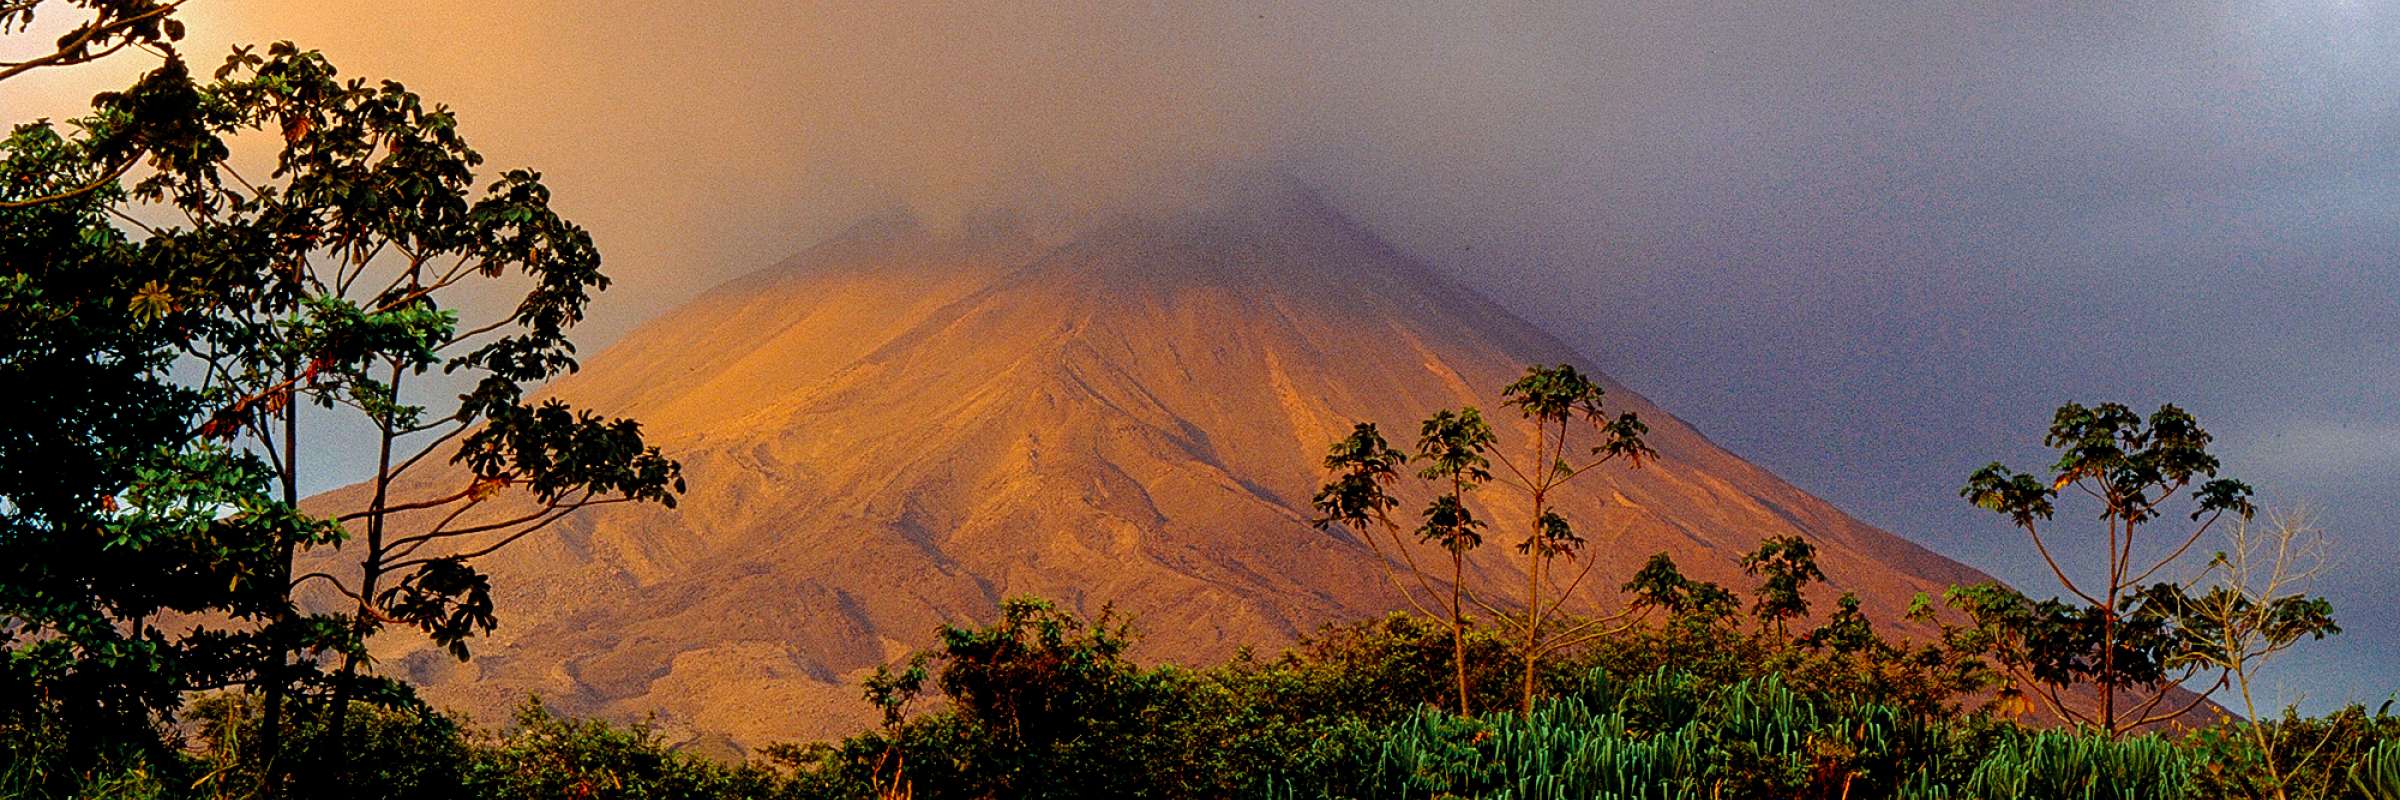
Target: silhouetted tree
[[114, 514], [103, 28], [2126, 634], [1784, 565], [1456, 448], [177, 358], [368, 228]]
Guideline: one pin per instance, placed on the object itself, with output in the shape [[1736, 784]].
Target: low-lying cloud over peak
[[1866, 244]]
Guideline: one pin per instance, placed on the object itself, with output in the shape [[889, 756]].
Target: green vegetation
[[2130, 633], [1455, 449], [1043, 704], [165, 319], [169, 318]]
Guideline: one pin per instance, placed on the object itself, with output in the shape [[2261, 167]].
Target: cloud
[[1866, 244], [2326, 452]]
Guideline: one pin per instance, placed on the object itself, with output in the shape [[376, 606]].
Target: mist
[[1867, 245]]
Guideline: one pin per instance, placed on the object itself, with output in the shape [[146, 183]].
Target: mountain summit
[[898, 428]]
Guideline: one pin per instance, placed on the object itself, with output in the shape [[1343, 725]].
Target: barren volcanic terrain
[[897, 429]]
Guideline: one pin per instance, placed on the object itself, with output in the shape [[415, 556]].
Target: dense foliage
[[164, 319], [2135, 631], [1043, 704], [167, 317]]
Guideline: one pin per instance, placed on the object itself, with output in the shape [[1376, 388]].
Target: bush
[[408, 752], [547, 756], [1043, 703], [35, 765]]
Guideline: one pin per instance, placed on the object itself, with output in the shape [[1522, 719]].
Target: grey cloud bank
[[1867, 245]]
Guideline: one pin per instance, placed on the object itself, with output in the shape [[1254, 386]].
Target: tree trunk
[[1533, 601], [2108, 666], [370, 571], [1458, 628], [271, 744]]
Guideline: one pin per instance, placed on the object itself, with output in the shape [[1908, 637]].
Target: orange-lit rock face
[[892, 431]]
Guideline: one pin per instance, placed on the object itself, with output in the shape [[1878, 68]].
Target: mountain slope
[[895, 430]]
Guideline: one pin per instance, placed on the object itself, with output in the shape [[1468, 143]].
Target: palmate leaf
[[152, 303], [447, 599], [1554, 394], [1362, 465], [1451, 446], [1450, 523]]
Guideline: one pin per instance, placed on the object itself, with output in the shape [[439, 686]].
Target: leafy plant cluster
[[1043, 703], [169, 314], [408, 753]]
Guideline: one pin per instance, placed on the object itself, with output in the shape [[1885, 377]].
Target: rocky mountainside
[[897, 429]]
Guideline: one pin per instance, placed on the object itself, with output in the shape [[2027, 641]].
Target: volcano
[[898, 428]]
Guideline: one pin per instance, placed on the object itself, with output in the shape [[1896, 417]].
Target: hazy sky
[[1867, 245]]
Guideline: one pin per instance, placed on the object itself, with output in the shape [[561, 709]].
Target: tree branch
[[112, 174], [70, 53], [2054, 568], [512, 538]]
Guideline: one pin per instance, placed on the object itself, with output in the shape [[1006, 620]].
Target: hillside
[[896, 429]]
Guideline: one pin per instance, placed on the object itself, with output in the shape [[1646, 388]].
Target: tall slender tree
[[1455, 449], [2131, 468], [1557, 401], [1450, 445]]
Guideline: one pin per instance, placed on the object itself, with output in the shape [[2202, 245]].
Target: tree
[[334, 282], [108, 27], [113, 514], [1364, 466], [892, 692], [1456, 448], [1784, 566], [366, 232], [1559, 397], [2252, 604], [2131, 467], [1694, 604]]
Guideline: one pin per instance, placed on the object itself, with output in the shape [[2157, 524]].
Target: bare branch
[[2179, 551], [512, 538], [2054, 568], [411, 506], [328, 578]]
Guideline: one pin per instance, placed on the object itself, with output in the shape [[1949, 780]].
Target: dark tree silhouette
[[2126, 635], [156, 467], [1455, 449]]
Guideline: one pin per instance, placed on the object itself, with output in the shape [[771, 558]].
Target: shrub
[[547, 756], [35, 765]]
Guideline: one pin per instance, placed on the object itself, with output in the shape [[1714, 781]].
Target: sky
[[1866, 245]]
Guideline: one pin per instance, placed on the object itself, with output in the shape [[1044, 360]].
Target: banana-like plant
[[2377, 774]]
